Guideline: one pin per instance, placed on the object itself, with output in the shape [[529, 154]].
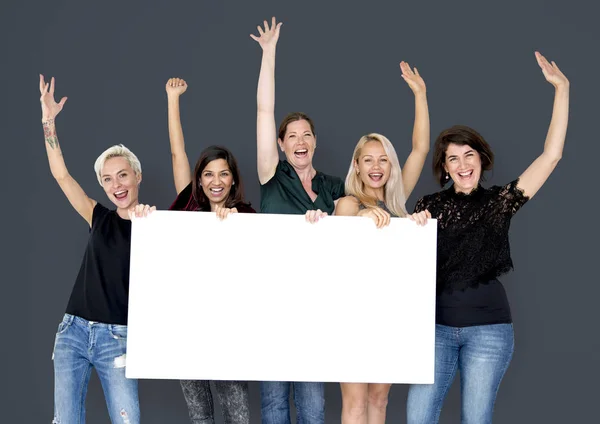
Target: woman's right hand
[[268, 37], [420, 217], [176, 87], [381, 217], [49, 106]]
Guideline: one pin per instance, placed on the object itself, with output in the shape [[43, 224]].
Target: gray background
[[338, 61]]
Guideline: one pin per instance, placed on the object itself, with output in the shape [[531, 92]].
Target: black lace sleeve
[[512, 198], [421, 205]]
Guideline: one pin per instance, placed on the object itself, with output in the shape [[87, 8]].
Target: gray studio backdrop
[[337, 61]]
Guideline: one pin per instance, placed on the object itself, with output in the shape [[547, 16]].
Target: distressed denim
[[232, 395], [309, 399], [81, 345], [482, 353]]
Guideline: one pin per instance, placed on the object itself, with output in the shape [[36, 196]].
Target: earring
[[446, 177]]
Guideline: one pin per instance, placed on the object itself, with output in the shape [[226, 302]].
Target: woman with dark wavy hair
[[474, 331], [215, 186]]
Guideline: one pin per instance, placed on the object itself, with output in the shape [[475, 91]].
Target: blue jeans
[[308, 397], [81, 345], [482, 353]]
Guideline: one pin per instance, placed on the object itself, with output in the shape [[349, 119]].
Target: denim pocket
[[64, 324], [118, 332]]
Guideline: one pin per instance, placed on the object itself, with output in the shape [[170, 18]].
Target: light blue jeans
[[482, 354], [81, 345], [308, 397]]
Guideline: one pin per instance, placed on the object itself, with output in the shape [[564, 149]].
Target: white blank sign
[[274, 298]]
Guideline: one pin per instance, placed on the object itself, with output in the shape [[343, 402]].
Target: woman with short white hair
[[93, 332]]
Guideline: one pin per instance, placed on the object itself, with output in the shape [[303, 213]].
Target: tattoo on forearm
[[50, 133]]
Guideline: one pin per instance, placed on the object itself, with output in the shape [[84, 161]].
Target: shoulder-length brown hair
[[460, 135], [236, 194]]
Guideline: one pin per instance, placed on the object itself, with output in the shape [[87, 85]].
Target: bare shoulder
[[347, 206]]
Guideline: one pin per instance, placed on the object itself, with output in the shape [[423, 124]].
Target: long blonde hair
[[394, 188]]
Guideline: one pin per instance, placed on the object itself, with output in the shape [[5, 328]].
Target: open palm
[[49, 106], [268, 37], [412, 78], [550, 70]]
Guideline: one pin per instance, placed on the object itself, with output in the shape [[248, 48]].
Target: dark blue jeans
[[308, 397], [482, 354], [81, 345]]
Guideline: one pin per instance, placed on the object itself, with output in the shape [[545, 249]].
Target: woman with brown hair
[[290, 186], [215, 186], [474, 331]]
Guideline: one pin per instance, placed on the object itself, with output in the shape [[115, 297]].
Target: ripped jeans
[[81, 345]]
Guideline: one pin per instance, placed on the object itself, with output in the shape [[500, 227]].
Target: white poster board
[[274, 298]]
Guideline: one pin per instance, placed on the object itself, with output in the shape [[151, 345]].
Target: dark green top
[[284, 192]]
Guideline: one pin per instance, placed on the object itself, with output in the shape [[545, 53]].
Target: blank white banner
[[273, 298]]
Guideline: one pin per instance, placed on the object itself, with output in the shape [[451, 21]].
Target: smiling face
[[463, 163], [120, 182], [373, 166], [299, 144], [216, 180]]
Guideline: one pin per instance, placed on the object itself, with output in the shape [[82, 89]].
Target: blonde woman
[[376, 187]]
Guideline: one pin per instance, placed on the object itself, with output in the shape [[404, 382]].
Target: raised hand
[[381, 217], [49, 106], [553, 75], [222, 212], [420, 217], [412, 78], [268, 37], [176, 87], [314, 216]]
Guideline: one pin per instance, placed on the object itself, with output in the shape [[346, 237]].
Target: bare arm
[[538, 172], [420, 139], [266, 133], [75, 194], [181, 166], [346, 206]]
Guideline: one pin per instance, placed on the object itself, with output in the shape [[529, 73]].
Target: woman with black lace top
[[474, 332]]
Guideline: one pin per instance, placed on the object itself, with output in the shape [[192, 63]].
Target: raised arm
[[50, 109], [181, 165], [538, 172], [266, 133], [420, 138]]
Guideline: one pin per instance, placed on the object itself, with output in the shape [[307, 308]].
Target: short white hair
[[117, 151]]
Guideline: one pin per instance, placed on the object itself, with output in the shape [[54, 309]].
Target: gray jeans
[[233, 398]]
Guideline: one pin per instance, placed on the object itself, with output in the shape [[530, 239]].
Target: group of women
[[474, 332]]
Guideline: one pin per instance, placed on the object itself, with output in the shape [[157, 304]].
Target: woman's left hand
[[314, 216], [413, 79], [222, 212], [140, 211], [553, 75]]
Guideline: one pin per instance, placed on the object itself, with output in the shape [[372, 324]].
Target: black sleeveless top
[[101, 291]]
